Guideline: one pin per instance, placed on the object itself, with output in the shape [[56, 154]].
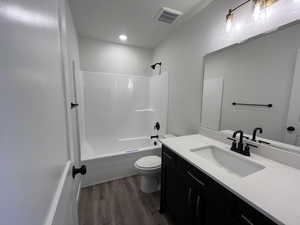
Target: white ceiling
[[107, 19]]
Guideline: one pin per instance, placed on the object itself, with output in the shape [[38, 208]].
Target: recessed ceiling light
[[123, 37]]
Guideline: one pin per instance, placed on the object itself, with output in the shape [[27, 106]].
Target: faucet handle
[[231, 139], [264, 142], [233, 145], [246, 151], [251, 145]]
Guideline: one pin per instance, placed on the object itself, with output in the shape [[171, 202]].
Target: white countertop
[[274, 191]]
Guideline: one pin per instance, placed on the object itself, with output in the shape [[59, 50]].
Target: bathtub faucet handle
[[157, 126]]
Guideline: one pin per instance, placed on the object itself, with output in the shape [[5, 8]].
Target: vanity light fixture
[[229, 16], [258, 5], [229, 19], [268, 3]]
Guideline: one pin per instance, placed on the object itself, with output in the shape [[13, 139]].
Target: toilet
[[149, 169]]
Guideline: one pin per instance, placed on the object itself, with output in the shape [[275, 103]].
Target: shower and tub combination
[[122, 113]]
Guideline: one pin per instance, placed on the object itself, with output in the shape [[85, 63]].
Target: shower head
[[154, 65]]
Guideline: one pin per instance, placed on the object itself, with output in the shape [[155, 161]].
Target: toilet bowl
[[149, 169]]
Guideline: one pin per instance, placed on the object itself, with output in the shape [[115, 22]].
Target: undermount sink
[[228, 161]]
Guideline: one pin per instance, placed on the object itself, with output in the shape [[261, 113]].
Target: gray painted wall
[[182, 54], [102, 56]]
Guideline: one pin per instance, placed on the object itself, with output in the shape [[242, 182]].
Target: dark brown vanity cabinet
[[193, 198], [244, 214]]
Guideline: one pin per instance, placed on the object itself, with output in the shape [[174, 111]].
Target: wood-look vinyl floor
[[120, 202]]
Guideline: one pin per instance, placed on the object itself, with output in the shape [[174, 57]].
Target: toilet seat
[[148, 163]]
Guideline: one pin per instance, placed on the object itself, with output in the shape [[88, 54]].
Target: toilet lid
[[149, 162]]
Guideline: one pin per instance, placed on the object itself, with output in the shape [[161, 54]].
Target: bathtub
[[119, 162]]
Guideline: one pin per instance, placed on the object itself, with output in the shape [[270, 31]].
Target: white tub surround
[[273, 190], [98, 55], [120, 110]]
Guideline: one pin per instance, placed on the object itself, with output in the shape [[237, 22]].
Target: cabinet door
[[186, 193], [210, 203], [247, 215], [183, 199], [196, 199], [168, 188], [220, 205]]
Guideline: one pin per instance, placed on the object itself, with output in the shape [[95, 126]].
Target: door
[[292, 132], [34, 156], [70, 68], [75, 137]]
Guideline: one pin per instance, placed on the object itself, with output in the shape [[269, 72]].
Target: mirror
[[256, 84]]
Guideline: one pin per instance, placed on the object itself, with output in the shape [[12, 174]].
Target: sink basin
[[228, 161]]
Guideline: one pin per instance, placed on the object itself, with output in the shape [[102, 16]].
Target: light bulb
[[257, 9], [229, 20], [123, 37]]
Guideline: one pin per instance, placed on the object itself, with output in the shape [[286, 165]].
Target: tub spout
[[154, 136]]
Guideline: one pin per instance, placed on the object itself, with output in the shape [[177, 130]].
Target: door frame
[[68, 98], [292, 137]]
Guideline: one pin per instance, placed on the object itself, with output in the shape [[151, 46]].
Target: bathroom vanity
[[203, 182]]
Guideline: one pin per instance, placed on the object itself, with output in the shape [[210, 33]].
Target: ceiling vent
[[167, 15]]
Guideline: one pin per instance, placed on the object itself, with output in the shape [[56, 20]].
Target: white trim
[[57, 196], [78, 193], [63, 51], [135, 138], [146, 110], [116, 74]]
